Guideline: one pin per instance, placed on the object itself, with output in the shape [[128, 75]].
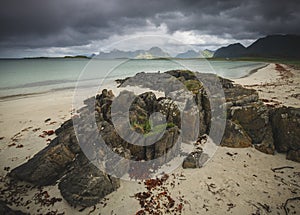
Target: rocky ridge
[[249, 122]]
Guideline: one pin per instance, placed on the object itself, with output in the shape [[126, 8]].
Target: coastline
[[233, 189], [254, 71], [276, 86]]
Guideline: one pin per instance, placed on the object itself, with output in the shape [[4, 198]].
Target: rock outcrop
[[50, 164], [85, 184], [4, 209], [248, 121], [235, 136], [145, 136], [80, 181], [286, 129]]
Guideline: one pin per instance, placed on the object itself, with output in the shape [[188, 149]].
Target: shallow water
[[31, 76]]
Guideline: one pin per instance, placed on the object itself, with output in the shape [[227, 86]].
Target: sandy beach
[[234, 181], [278, 84]]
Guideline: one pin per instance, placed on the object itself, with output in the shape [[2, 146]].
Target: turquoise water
[[42, 75]]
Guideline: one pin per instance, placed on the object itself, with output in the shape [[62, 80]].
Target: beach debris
[[49, 132], [1, 138], [259, 206], [6, 168], [43, 198], [81, 209], [230, 206], [280, 168], [231, 154], [265, 207], [26, 129], [16, 137], [47, 120], [91, 211], [36, 129], [286, 209], [213, 189], [297, 96], [157, 199], [12, 144], [284, 73], [205, 207], [55, 213], [13, 192], [19, 146]]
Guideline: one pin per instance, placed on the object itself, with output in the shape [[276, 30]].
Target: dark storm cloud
[[70, 22], [35, 23], [240, 19]]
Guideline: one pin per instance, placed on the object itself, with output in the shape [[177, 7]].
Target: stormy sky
[[57, 28]]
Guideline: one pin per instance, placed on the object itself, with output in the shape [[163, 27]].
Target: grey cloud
[[55, 23], [241, 19]]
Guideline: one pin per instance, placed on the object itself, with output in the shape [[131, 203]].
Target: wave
[[38, 84], [250, 65]]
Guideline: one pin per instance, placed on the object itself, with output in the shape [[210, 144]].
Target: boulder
[[195, 159], [85, 184], [286, 131], [254, 118], [235, 136], [47, 166]]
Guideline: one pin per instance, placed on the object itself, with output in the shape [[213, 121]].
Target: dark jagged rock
[[168, 108], [63, 156], [82, 183], [286, 131], [244, 109], [47, 166], [85, 185], [249, 122], [235, 136], [8, 211], [254, 118], [195, 160], [247, 112]]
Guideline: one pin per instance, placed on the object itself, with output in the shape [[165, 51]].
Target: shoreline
[[254, 71], [276, 86], [11, 97]]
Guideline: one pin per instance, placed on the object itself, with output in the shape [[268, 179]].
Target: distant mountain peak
[[153, 52], [271, 46], [193, 54], [188, 54]]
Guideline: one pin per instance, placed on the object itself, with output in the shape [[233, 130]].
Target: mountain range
[[193, 54], [272, 46], [154, 52]]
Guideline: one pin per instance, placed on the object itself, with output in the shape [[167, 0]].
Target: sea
[[20, 77]]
